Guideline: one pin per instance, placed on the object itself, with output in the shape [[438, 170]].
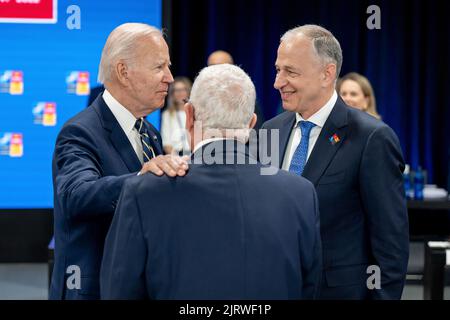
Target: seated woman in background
[[357, 92], [174, 135]]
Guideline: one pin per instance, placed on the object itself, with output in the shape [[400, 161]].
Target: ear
[[122, 72], [329, 74], [189, 109], [253, 121]]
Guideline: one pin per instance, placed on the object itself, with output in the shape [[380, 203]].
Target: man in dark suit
[[94, 94], [228, 229], [101, 147], [355, 163]]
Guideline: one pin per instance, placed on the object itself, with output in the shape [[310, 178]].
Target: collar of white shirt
[[320, 117], [123, 115], [206, 141]]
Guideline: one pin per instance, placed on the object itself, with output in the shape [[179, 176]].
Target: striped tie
[[147, 149]]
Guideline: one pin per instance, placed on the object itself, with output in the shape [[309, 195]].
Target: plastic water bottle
[[418, 184], [407, 182]]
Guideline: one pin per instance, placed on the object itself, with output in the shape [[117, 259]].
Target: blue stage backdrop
[[46, 73]]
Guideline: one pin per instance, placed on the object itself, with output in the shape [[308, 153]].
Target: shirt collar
[[206, 141], [320, 117], [123, 115]]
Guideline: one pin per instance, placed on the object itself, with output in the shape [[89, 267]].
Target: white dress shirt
[[319, 118], [126, 121], [206, 141]]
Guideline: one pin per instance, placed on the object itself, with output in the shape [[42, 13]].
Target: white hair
[[223, 97], [122, 43], [325, 44]]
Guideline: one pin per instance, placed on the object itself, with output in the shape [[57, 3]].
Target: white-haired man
[[223, 231], [355, 163], [101, 147], [221, 57]]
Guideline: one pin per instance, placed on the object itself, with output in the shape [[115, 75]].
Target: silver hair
[[326, 46], [122, 44], [223, 97]]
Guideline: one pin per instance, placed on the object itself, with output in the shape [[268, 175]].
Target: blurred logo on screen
[[78, 83], [44, 113], [11, 81], [28, 11], [11, 144]]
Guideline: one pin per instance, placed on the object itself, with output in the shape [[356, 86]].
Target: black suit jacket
[[92, 159], [362, 206], [224, 231]]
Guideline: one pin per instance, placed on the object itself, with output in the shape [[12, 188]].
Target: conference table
[[437, 253], [429, 219], [442, 204]]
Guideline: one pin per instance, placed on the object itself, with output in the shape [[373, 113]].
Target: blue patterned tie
[[301, 153], [147, 148]]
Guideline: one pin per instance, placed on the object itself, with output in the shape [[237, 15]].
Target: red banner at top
[[28, 11]]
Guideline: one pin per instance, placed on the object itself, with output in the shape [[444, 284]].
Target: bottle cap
[[406, 171]]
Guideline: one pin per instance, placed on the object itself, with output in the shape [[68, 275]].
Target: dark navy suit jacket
[[224, 231], [92, 159], [362, 206]]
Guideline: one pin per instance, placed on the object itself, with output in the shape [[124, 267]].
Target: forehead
[[219, 58], [179, 84], [153, 47], [350, 84], [296, 50]]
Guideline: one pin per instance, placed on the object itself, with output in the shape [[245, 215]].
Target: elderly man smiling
[[355, 163]]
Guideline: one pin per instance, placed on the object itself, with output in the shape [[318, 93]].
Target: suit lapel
[[124, 148], [285, 133], [117, 137], [325, 150]]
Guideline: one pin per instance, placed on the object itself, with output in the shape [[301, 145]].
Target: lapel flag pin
[[334, 139]]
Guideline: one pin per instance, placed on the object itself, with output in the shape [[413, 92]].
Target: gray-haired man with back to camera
[[223, 231]]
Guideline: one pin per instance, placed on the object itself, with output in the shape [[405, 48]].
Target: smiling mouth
[[286, 95]]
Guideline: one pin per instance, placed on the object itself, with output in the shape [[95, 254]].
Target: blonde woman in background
[[357, 92], [173, 120]]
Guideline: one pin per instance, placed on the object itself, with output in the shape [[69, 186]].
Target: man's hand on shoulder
[[170, 165]]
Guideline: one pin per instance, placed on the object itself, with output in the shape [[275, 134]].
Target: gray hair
[[325, 44], [223, 97], [122, 44]]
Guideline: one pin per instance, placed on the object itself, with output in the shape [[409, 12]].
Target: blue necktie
[[301, 153], [147, 148]]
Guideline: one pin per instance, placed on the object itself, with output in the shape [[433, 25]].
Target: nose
[[168, 78], [280, 81]]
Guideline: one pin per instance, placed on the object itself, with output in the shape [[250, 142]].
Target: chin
[[288, 106], [160, 104]]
